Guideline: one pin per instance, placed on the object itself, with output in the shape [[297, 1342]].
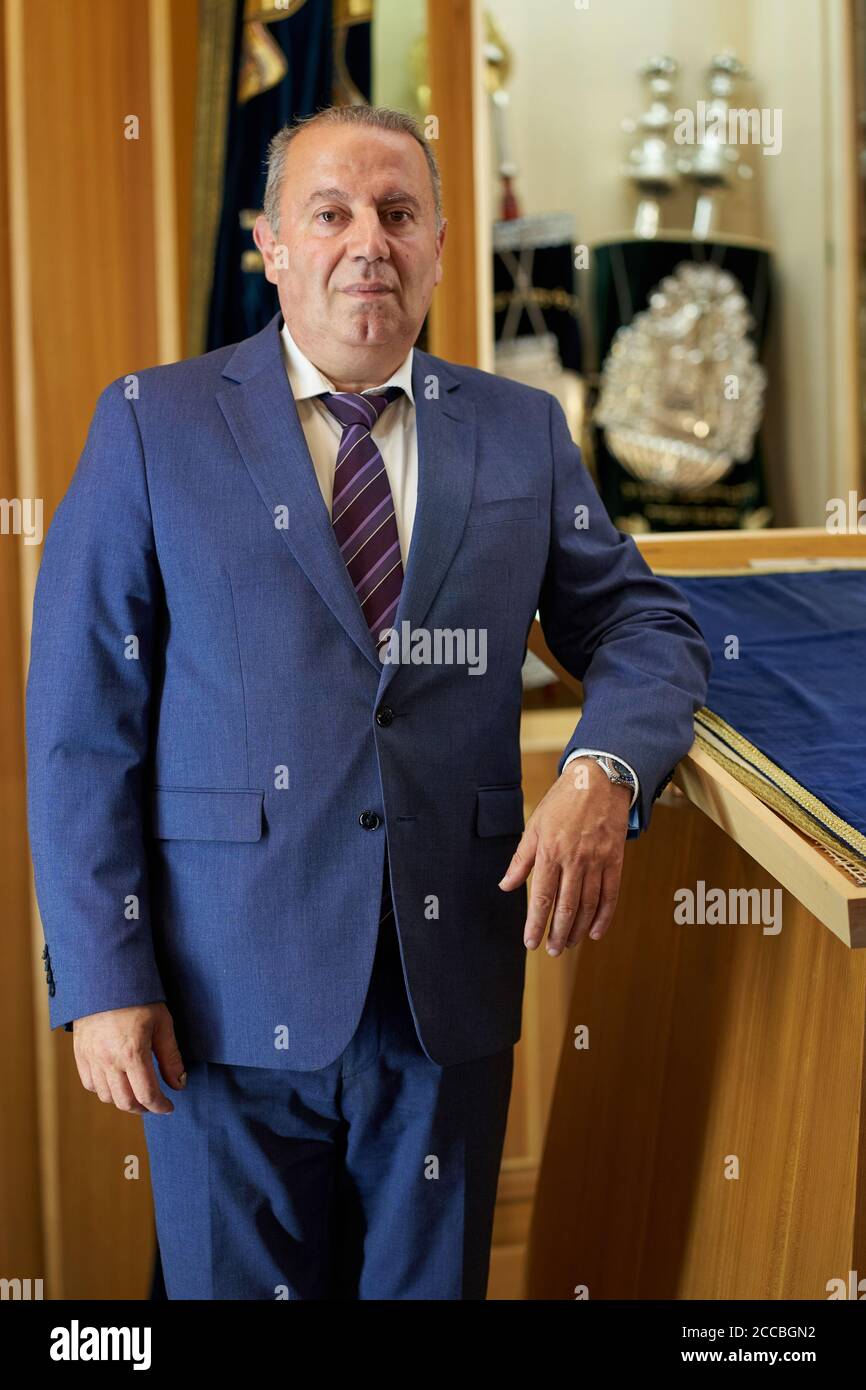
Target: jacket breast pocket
[[501, 510], [193, 813], [500, 810]]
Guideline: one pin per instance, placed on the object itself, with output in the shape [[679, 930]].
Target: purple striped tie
[[362, 511]]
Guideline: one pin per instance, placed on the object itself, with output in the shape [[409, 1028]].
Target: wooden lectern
[[710, 1141]]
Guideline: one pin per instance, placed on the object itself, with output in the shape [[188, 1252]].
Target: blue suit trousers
[[371, 1178]]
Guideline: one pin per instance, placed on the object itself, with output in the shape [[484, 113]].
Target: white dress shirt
[[396, 438], [394, 433]]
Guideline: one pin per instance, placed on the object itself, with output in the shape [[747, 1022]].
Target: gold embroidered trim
[[783, 793]]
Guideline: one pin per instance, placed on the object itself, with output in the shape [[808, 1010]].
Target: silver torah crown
[[681, 391]]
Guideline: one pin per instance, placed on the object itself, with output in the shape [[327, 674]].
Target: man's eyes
[[392, 213]]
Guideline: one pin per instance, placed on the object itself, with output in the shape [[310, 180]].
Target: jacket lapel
[[446, 471], [261, 413]]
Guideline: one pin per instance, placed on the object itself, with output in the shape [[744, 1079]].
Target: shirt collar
[[307, 381]]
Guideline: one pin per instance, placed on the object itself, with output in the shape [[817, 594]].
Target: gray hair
[[375, 118]]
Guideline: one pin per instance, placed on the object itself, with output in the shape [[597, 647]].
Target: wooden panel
[[779, 847], [721, 549], [20, 1214], [91, 215], [184, 51], [453, 328], [546, 1003], [705, 1042], [86, 313]]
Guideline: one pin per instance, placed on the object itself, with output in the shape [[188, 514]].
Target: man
[[279, 625]]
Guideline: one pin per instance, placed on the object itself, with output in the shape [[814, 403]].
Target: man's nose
[[367, 237]]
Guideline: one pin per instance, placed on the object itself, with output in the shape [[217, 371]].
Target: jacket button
[[384, 716], [369, 820]]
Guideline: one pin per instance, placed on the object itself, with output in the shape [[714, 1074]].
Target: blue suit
[[217, 757]]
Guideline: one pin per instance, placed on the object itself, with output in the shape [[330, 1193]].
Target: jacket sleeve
[[627, 634], [96, 617]]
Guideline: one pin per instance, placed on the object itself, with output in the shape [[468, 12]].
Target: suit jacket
[[216, 754]]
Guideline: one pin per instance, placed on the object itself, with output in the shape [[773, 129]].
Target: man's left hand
[[575, 839]]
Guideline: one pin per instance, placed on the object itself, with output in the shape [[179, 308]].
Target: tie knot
[[351, 408]]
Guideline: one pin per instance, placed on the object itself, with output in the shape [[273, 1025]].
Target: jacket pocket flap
[[190, 813], [500, 810]]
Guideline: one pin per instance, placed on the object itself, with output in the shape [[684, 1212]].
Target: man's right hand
[[113, 1054]]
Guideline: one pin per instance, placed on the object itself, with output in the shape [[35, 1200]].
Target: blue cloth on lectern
[[797, 688]]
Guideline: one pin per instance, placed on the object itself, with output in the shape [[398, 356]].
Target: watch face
[[617, 774]]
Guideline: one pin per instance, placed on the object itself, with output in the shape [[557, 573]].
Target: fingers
[[145, 1085], [164, 1044], [132, 1090], [521, 862], [576, 903], [84, 1069], [121, 1092], [606, 902], [100, 1085], [545, 882], [597, 922], [583, 902]]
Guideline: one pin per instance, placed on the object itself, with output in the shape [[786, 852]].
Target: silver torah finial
[[653, 166], [716, 162]]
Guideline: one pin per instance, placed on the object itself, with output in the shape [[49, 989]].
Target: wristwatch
[[613, 769]]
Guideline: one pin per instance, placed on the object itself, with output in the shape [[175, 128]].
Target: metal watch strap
[[611, 769]]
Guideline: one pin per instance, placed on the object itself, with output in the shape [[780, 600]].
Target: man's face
[[362, 256]]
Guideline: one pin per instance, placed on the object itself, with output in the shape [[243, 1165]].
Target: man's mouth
[[367, 291]]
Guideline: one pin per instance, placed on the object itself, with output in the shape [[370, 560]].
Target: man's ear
[[265, 241], [440, 242]]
